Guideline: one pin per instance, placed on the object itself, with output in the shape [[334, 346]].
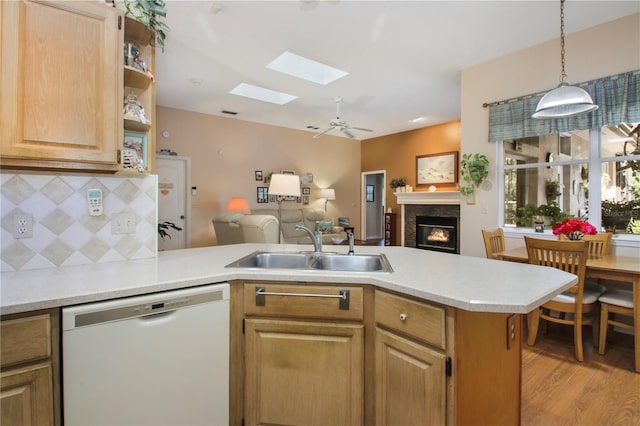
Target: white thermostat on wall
[[94, 200]]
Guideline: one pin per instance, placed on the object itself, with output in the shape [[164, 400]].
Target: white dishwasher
[[158, 359]]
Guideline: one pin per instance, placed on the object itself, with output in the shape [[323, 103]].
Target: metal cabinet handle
[[403, 316], [343, 295]]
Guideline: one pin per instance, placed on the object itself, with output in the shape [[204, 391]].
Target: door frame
[[363, 199]]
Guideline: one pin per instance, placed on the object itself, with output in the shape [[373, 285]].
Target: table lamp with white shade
[[327, 194], [283, 186]]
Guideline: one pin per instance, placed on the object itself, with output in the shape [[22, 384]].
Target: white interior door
[[174, 203]]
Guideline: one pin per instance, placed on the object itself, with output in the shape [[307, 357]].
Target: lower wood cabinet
[[303, 373], [387, 359], [410, 382], [304, 354], [26, 396], [29, 375]]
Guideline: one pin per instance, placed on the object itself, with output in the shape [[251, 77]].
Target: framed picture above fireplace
[[437, 169]]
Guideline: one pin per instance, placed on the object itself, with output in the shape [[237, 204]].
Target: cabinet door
[[410, 382], [26, 396], [303, 373], [61, 85]]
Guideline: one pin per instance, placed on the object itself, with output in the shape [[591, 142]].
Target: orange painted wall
[[397, 153]]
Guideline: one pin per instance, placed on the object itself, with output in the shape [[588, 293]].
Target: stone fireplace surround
[[413, 204]]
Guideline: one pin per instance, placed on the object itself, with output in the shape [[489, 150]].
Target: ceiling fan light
[[564, 101]]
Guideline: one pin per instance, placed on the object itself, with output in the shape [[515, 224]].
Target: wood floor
[[558, 390]]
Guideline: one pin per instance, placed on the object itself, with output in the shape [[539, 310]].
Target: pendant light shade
[[564, 100]]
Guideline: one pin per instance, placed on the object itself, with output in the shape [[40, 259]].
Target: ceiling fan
[[340, 124]]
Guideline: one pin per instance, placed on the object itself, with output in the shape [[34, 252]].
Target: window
[[551, 177]]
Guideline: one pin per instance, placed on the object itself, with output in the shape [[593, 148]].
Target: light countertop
[[470, 283]]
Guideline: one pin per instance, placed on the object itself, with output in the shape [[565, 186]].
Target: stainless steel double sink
[[314, 261]]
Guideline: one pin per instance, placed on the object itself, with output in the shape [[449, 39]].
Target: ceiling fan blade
[[317, 135], [347, 132], [360, 128]]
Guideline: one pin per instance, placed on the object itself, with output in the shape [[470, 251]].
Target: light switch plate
[[123, 223]]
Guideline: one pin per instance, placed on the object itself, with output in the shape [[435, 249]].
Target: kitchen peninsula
[[459, 316]]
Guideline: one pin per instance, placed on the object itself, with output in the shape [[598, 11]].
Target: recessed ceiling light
[[306, 69], [418, 119], [262, 94]]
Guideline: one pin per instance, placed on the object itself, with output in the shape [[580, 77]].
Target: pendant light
[[564, 100]]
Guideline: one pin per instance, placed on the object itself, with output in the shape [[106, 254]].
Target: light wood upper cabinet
[[62, 85]]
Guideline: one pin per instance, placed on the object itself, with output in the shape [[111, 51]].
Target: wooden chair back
[[566, 255], [599, 244], [493, 242]]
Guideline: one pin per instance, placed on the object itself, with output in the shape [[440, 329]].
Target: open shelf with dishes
[[138, 150]]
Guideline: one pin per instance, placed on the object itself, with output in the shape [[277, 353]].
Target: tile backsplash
[[63, 231]]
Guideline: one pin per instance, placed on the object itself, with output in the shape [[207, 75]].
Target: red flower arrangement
[[574, 229]]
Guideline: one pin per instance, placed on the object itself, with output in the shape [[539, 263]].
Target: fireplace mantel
[[424, 197]]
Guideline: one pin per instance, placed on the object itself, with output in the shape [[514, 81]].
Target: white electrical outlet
[[22, 226], [123, 223]]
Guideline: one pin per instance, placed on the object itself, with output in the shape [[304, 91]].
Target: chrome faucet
[[316, 239], [350, 237]]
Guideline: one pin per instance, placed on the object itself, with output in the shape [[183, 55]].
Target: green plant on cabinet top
[[147, 12]]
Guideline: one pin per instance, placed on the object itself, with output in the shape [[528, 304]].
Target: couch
[[227, 228], [306, 216], [262, 226]]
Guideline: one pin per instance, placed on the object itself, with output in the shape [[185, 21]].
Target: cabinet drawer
[[419, 320], [289, 304], [25, 339]]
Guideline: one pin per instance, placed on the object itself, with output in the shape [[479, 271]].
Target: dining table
[[624, 269]]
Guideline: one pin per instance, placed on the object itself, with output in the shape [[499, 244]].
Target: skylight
[[306, 69], [262, 94]]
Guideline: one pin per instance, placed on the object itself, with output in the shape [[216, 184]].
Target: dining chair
[[599, 244], [614, 301], [569, 256], [493, 242]]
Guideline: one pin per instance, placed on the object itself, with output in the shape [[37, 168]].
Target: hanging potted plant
[[552, 189], [474, 170]]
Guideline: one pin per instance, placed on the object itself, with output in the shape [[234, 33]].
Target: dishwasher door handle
[[343, 295], [157, 317]]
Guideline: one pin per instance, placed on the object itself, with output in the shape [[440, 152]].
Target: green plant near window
[[148, 13], [474, 170], [398, 182], [550, 213]]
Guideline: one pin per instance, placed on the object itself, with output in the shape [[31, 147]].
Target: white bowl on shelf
[[337, 240]]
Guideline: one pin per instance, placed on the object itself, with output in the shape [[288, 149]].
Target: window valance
[[617, 96]]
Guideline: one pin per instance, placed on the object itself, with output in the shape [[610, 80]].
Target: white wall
[[226, 152], [604, 50]]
